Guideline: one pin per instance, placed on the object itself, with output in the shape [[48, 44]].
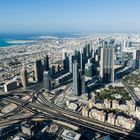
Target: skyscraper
[[89, 69], [38, 71], [65, 60], [83, 84], [46, 81], [137, 59], [46, 63], [24, 77], [83, 60], [88, 50], [107, 64], [76, 78], [71, 60]]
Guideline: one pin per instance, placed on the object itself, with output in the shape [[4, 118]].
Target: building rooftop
[[70, 135]]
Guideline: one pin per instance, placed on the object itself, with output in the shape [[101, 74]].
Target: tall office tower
[[64, 54], [137, 64], [84, 52], [107, 64], [77, 57], [88, 50], [65, 60], [46, 63], [24, 77], [124, 44], [38, 71], [94, 54], [76, 78], [89, 69], [46, 81], [133, 61], [98, 54], [82, 65], [84, 55], [83, 84], [71, 60]]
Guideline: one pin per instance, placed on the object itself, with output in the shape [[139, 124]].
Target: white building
[[107, 104], [128, 123], [72, 106], [70, 135], [91, 103], [85, 111], [131, 106], [10, 85], [138, 112], [98, 115], [111, 119], [99, 105], [115, 104]]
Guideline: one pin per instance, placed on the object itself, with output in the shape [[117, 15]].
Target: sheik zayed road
[[52, 111]]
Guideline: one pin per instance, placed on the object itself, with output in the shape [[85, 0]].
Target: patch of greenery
[[133, 79], [107, 93]]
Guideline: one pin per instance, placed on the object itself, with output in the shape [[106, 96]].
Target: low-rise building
[[28, 129], [111, 118], [98, 115], [10, 85], [115, 104], [107, 104], [85, 111], [130, 106], [123, 107], [69, 135], [99, 105], [72, 106], [128, 123], [91, 103]]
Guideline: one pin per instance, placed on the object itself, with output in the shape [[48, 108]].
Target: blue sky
[[69, 15]]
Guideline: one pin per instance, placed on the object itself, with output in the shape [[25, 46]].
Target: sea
[[6, 39]]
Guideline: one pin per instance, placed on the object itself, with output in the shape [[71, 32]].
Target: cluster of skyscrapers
[[41, 73], [84, 64], [92, 63]]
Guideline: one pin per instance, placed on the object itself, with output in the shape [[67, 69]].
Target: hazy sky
[[69, 15]]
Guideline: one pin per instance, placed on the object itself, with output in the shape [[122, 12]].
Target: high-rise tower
[[65, 60], [24, 77], [137, 66], [76, 78], [107, 64], [46, 81], [46, 63], [38, 71]]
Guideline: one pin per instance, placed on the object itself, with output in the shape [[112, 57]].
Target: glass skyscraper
[[107, 64]]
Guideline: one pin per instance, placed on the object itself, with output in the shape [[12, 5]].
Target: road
[[78, 119], [131, 92]]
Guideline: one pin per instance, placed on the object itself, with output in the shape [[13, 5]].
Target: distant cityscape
[[72, 88]]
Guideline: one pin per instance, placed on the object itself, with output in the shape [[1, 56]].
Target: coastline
[[15, 43], [12, 46]]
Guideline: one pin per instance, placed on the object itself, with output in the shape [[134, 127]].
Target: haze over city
[[69, 16]]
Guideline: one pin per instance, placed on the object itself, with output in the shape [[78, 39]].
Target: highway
[[8, 123], [131, 92], [78, 119]]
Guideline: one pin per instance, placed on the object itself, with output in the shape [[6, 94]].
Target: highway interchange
[[50, 110]]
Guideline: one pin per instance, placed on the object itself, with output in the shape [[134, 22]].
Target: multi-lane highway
[[78, 119], [131, 92]]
